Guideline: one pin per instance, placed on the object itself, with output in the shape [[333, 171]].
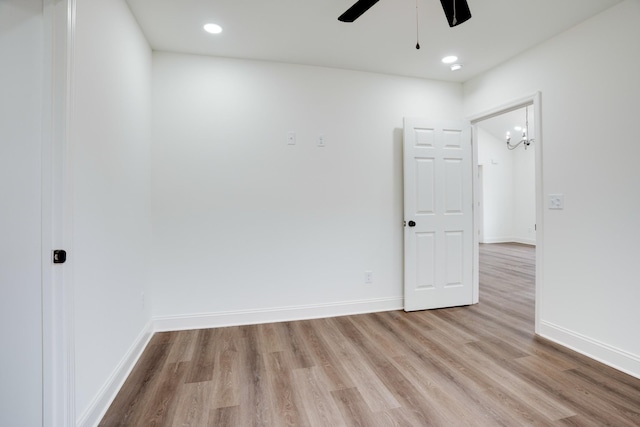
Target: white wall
[[509, 208], [21, 77], [110, 138], [242, 221], [524, 194], [588, 77], [498, 186]]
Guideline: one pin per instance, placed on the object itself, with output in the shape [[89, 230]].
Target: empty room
[[242, 213]]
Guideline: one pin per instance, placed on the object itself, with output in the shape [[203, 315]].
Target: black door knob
[[412, 223]]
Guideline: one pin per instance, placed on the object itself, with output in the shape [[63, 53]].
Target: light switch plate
[[556, 201]]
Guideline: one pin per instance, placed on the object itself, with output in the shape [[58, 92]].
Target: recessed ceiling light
[[518, 128], [213, 28], [449, 59], [456, 67]]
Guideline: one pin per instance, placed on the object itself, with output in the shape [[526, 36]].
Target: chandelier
[[525, 132]]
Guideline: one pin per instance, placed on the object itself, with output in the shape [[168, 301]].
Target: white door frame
[[58, 385], [533, 99], [479, 203]]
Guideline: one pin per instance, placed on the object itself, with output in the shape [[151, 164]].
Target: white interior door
[[21, 80], [438, 206]]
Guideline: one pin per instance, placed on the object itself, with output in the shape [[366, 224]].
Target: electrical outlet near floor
[[291, 138], [368, 277]]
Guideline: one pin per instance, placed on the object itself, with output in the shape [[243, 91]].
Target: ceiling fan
[[457, 11]]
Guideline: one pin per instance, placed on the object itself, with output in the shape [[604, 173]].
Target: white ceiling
[[382, 40]]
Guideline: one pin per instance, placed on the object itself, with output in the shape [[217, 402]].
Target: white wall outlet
[[291, 138], [321, 141], [368, 277], [556, 201]]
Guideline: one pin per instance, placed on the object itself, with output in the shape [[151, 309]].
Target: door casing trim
[[534, 100]]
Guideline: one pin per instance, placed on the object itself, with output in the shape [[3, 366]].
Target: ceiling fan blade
[[354, 12], [457, 11]]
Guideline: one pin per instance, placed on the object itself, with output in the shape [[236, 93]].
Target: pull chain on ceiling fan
[[417, 28]]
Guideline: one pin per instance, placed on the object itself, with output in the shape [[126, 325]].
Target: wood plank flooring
[[466, 366]]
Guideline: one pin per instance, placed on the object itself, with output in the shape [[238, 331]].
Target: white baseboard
[[497, 240], [524, 241], [99, 405], [609, 355], [280, 314], [521, 240]]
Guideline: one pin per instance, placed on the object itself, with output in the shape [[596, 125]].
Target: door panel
[[454, 241], [453, 181], [438, 198], [425, 251], [426, 195]]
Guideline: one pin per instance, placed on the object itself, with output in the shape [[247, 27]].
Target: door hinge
[[59, 256]]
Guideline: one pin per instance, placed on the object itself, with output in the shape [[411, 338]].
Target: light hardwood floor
[[475, 366]]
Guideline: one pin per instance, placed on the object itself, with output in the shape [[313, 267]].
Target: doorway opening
[[507, 188], [508, 201]]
